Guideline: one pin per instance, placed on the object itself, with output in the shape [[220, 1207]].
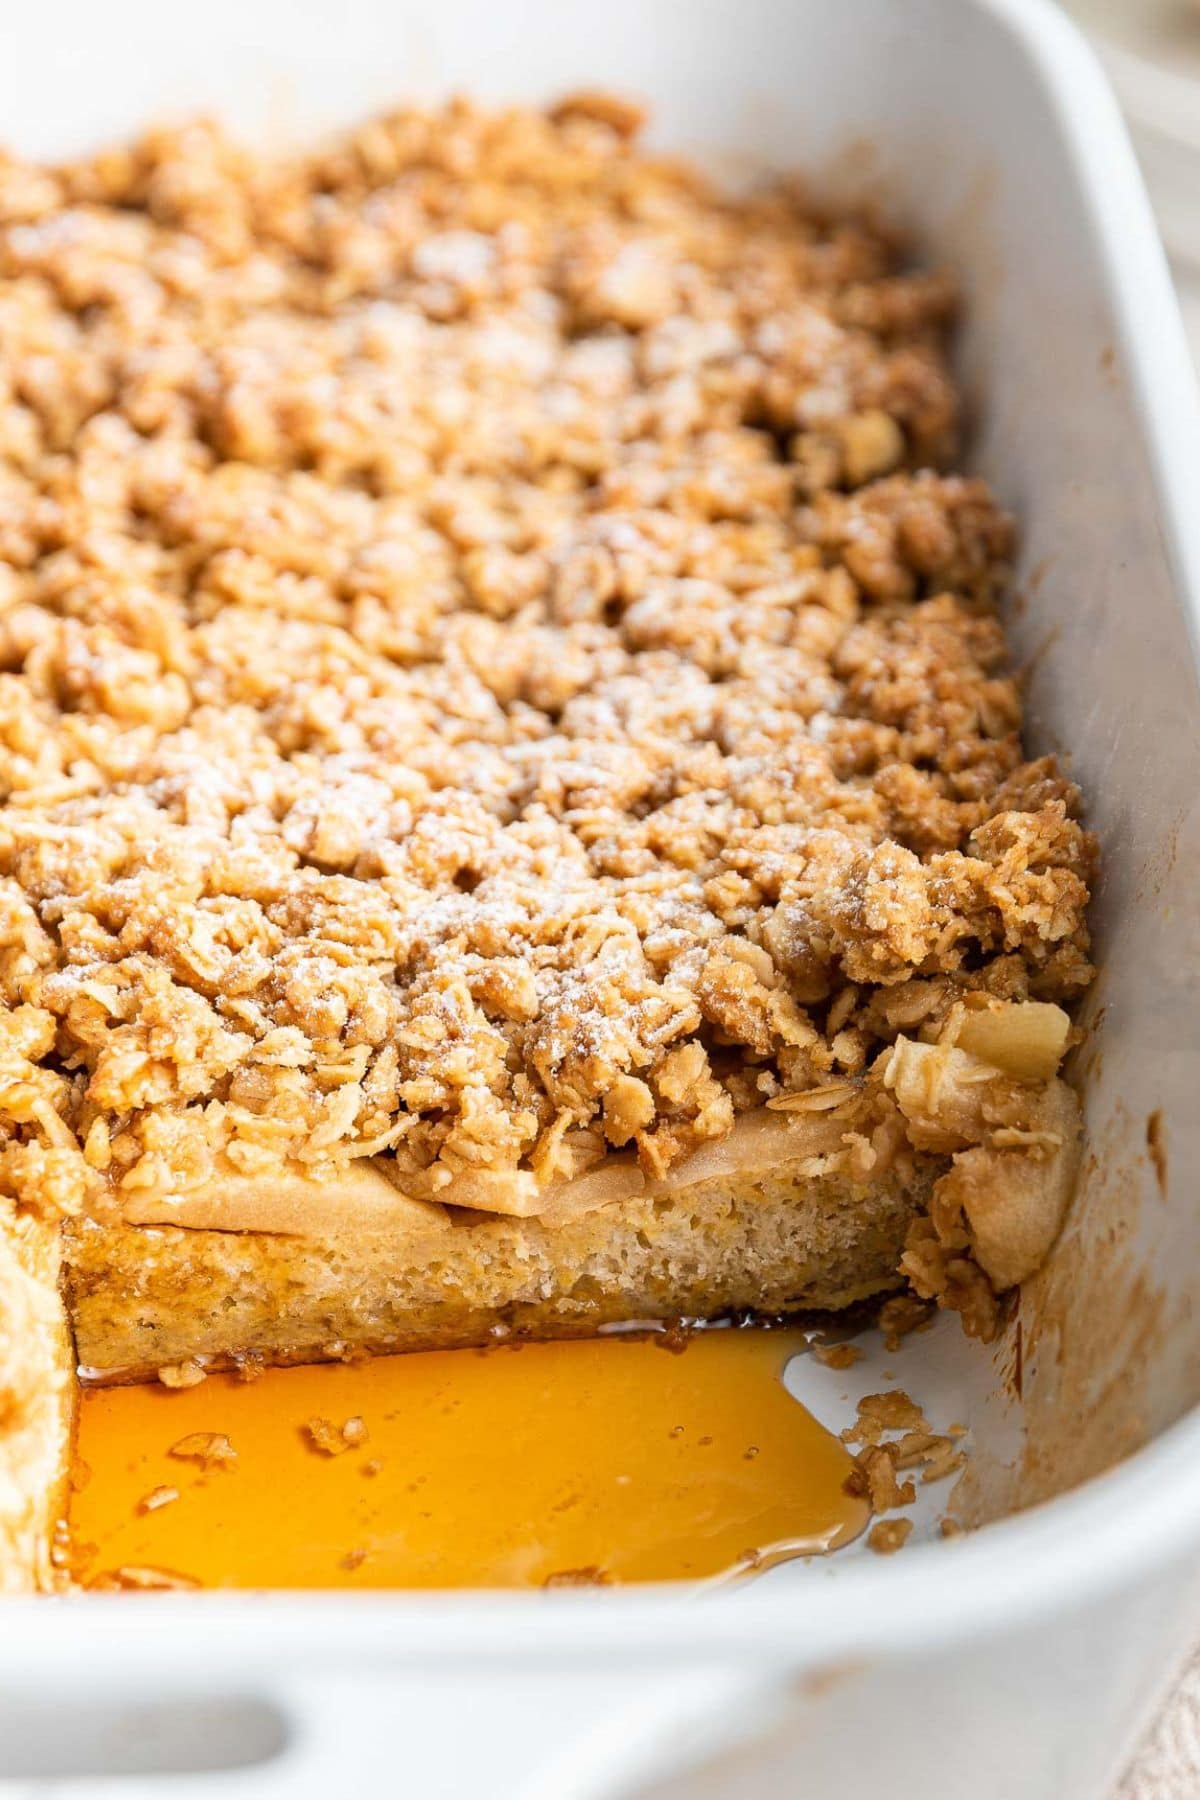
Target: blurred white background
[[1151, 49]]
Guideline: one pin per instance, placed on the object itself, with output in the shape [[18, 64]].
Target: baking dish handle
[[535, 1734]]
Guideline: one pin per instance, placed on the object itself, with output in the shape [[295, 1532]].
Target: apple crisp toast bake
[[515, 810]]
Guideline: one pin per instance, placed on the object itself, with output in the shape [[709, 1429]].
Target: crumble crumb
[[837, 1356], [877, 1413], [135, 1578], [334, 1440], [901, 1314], [873, 1478], [590, 1576], [210, 1448], [887, 1536], [674, 1337], [157, 1498], [183, 1375], [896, 1436]]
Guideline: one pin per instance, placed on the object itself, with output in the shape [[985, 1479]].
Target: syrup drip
[[601, 1460]]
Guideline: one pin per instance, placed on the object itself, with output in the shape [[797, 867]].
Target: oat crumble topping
[[494, 669]]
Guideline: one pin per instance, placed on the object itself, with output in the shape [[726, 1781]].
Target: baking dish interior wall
[[978, 166]]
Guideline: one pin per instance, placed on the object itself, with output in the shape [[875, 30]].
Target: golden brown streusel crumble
[[493, 667]]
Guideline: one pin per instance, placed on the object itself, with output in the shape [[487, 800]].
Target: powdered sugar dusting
[[489, 672]]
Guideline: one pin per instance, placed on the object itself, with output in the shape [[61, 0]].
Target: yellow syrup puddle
[[609, 1460]]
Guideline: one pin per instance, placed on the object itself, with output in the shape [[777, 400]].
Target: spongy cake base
[[147, 1297], [37, 1389]]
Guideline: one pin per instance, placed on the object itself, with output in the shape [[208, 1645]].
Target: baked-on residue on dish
[[504, 716]]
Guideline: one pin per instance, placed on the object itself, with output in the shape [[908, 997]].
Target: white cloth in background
[[1167, 1767]]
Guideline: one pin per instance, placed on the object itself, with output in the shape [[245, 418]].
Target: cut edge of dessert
[[966, 1149], [37, 1406], [516, 815], [968, 1175]]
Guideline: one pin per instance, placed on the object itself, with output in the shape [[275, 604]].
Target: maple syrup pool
[[594, 1460]]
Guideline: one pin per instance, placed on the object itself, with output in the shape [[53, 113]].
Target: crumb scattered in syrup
[[675, 1337], [134, 1579], [837, 1356], [591, 1576], [157, 1498], [334, 1440], [353, 1559], [211, 1448]]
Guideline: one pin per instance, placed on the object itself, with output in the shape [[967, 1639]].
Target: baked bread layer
[[147, 1297], [36, 1400]]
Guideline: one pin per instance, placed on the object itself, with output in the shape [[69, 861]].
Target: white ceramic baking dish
[[1021, 1660]]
